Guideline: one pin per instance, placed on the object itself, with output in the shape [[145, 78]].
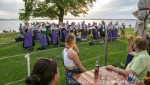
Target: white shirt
[[116, 26], [67, 24], [66, 60], [122, 27], [110, 27], [83, 26], [43, 29], [104, 27], [60, 26], [72, 27], [19, 27]]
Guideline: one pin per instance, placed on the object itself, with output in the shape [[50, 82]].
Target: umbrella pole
[[28, 63], [106, 48]]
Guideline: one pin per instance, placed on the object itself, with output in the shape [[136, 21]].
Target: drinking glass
[[115, 73], [102, 79], [120, 80]]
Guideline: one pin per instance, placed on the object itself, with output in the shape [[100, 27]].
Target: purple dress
[[36, 36], [43, 40], [63, 34], [110, 34], [54, 38], [28, 41], [95, 34], [114, 34]]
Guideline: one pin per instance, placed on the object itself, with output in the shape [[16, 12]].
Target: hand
[[74, 46], [110, 67], [129, 38]]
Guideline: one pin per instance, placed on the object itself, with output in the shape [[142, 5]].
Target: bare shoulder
[[72, 53]]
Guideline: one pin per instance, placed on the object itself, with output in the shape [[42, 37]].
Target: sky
[[102, 9]]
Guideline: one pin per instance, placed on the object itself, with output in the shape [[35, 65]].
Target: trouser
[[69, 76]]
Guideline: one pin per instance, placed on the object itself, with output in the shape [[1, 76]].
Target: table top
[[89, 78]]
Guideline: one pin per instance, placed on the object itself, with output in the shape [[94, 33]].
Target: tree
[[54, 9]]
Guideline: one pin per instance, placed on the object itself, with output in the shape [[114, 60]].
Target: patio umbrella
[[143, 14]]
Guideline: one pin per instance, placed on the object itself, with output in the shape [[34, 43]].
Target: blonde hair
[[141, 43], [69, 39]]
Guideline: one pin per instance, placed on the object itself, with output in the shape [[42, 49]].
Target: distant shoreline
[[72, 19]]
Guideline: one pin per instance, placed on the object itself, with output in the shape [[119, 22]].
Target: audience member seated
[[19, 38], [71, 60], [141, 61], [4, 31], [13, 30], [45, 72]]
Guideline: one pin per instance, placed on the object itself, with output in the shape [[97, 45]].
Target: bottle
[[147, 79], [96, 66]]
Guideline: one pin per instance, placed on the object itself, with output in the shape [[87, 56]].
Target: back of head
[[70, 40], [141, 43], [43, 72]]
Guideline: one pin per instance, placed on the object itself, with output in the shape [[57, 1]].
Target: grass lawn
[[13, 65]]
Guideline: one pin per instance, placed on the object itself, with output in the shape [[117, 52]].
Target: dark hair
[[141, 43], [43, 72]]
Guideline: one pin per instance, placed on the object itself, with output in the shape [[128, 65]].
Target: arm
[[129, 46], [126, 72], [121, 71], [76, 60], [76, 49]]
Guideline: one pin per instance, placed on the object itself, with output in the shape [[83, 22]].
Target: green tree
[[54, 9]]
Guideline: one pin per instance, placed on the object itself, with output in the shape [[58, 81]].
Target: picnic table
[[89, 78]]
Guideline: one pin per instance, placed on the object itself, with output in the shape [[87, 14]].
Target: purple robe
[[60, 35], [110, 35], [36, 36], [95, 34], [43, 39], [27, 40], [114, 34], [54, 38], [65, 33]]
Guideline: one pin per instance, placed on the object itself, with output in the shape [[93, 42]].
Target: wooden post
[[106, 48]]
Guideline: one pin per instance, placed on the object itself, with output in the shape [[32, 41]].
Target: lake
[[13, 24]]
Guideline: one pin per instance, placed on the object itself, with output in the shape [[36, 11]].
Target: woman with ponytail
[[71, 60]]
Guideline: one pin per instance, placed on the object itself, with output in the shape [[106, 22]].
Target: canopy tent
[[143, 14]]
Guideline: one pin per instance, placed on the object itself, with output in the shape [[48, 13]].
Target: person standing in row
[[83, 33], [103, 28], [110, 31], [122, 28], [95, 31], [28, 41], [35, 31], [73, 28], [54, 36], [63, 32], [43, 37], [115, 33], [67, 24], [20, 27]]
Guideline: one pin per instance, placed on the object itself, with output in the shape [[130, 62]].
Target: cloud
[[125, 8], [3, 13], [103, 9], [120, 9], [10, 8]]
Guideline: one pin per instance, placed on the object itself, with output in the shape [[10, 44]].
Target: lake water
[[13, 24]]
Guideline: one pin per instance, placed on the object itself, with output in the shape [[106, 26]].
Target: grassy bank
[[13, 66]]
